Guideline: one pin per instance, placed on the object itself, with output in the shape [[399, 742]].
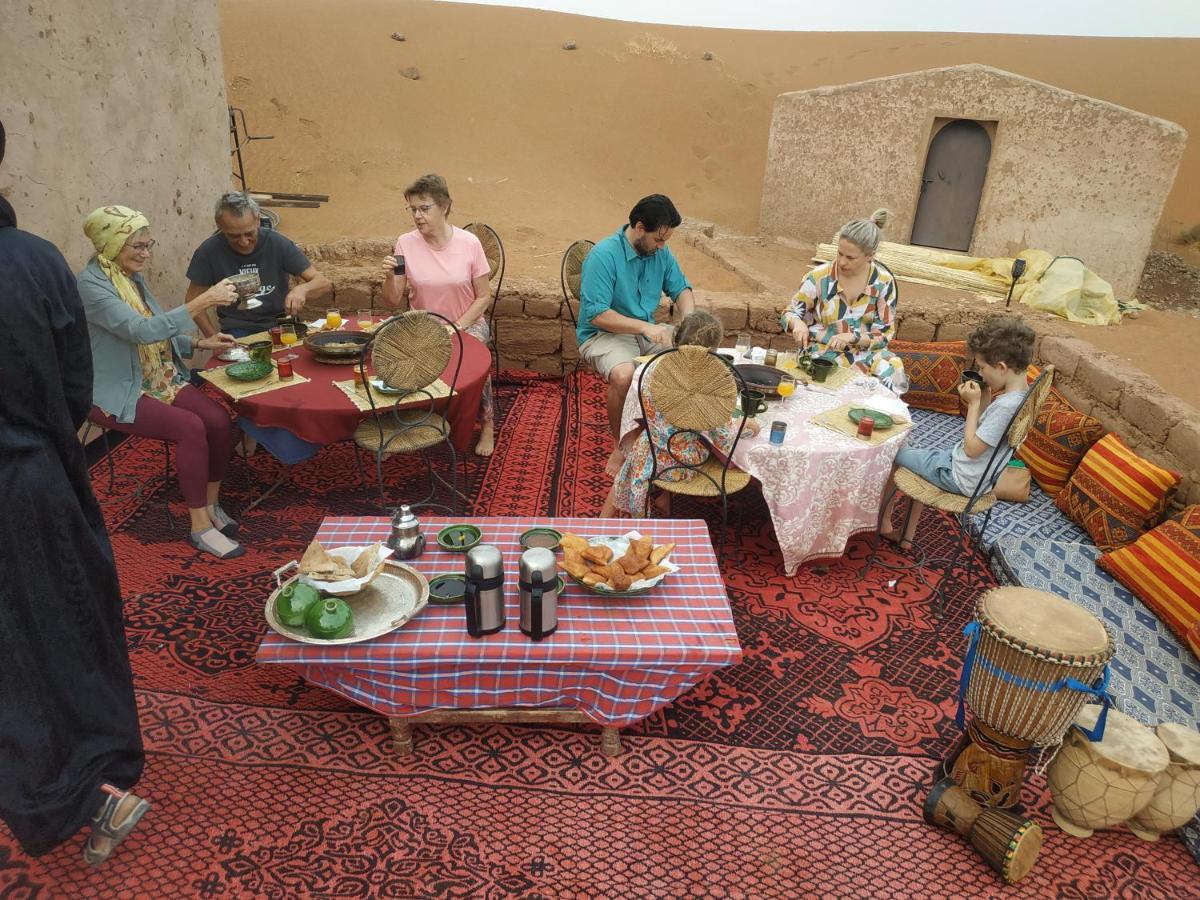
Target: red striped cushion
[[1193, 638], [1163, 568], [1115, 494], [934, 369]]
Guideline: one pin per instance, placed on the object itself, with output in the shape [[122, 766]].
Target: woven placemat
[[439, 389], [258, 336], [835, 381], [838, 419], [239, 390]]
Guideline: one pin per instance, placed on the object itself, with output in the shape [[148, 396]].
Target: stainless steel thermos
[[539, 592], [484, 596]]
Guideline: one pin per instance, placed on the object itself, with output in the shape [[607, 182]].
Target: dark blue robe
[[68, 720]]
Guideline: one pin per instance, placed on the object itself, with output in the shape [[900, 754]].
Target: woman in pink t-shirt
[[446, 272]]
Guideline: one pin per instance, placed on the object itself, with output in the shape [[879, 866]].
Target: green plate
[[378, 385], [882, 420], [251, 370], [448, 589], [541, 537], [459, 538]]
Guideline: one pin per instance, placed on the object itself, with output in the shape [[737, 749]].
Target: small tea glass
[[333, 319], [365, 320], [742, 346]]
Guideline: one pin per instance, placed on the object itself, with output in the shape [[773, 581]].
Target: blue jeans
[[933, 465]]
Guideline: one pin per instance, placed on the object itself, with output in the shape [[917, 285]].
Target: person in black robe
[[70, 747]]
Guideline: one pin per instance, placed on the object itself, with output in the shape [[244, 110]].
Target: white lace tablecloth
[[821, 487]]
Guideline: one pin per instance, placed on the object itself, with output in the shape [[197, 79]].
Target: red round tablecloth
[[319, 412]]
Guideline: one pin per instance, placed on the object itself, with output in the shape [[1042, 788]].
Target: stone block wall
[[535, 332]]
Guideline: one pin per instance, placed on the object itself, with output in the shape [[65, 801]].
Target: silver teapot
[[406, 539]]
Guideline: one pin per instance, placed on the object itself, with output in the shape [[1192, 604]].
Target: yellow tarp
[[1061, 285]]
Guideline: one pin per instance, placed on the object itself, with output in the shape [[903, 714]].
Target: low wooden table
[[612, 661]]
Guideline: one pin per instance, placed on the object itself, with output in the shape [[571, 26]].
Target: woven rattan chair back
[[692, 389], [571, 273], [1027, 414], [411, 351], [493, 249]]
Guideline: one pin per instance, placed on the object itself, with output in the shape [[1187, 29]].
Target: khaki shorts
[[604, 351]]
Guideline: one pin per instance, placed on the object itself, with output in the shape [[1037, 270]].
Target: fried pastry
[[658, 554], [574, 542], [598, 554], [650, 572], [574, 564], [591, 579]]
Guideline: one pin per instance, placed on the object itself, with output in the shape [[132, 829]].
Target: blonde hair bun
[[880, 218]]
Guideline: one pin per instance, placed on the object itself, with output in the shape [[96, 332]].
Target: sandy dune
[[549, 145]]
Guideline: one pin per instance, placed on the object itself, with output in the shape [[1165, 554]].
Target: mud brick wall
[[535, 332]]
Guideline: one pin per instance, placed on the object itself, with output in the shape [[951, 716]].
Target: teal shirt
[[616, 277]]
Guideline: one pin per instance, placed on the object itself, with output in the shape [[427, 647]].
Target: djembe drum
[[1099, 783], [1177, 796], [1009, 843], [1033, 660]]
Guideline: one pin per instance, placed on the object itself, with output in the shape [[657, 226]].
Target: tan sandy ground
[[550, 145]]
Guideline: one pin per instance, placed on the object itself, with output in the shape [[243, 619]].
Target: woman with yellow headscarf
[[140, 382]]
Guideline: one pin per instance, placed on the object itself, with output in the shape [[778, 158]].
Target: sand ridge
[[549, 145]]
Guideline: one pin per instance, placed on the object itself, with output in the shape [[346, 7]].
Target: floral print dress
[[632, 483], [826, 311]]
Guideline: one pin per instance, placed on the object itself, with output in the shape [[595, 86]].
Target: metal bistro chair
[[923, 494], [150, 482], [410, 352], [493, 249], [570, 274], [695, 391]]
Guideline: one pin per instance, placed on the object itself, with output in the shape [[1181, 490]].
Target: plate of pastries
[[617, 566]]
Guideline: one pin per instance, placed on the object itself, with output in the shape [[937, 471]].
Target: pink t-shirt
[[440, 280]]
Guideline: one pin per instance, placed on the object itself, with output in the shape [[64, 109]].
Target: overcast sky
[[1114, 18]]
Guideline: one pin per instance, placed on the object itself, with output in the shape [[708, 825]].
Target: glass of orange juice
[[289, 338], [787, 386], [364, 319], [333, 318]]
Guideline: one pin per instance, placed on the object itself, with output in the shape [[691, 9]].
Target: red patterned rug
[[798, 773]]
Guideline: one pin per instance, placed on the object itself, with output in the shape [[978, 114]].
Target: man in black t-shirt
[[242, 246]]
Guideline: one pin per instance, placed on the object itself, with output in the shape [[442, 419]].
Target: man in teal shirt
[[624, 278]]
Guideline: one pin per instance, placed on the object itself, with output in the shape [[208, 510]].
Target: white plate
[[349, 586], [388, 603], [235, 354]]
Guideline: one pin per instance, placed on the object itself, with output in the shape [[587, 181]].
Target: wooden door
[[952, 186]]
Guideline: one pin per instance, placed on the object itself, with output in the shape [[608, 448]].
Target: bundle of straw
[[936, 267]]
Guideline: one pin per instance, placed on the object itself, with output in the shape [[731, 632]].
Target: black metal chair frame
[[379, 416], [678, 462], [962, 520], [499, 281], [112, 468]]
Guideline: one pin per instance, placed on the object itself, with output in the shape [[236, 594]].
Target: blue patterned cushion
[[1038, 516], [1155, 678]]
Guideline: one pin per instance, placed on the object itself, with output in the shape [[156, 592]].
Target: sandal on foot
[[222, 522], [212, 541], [116, 818]]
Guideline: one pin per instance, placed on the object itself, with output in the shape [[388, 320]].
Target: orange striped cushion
[[1115, 494], [1163, 568], [1193, 638]]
